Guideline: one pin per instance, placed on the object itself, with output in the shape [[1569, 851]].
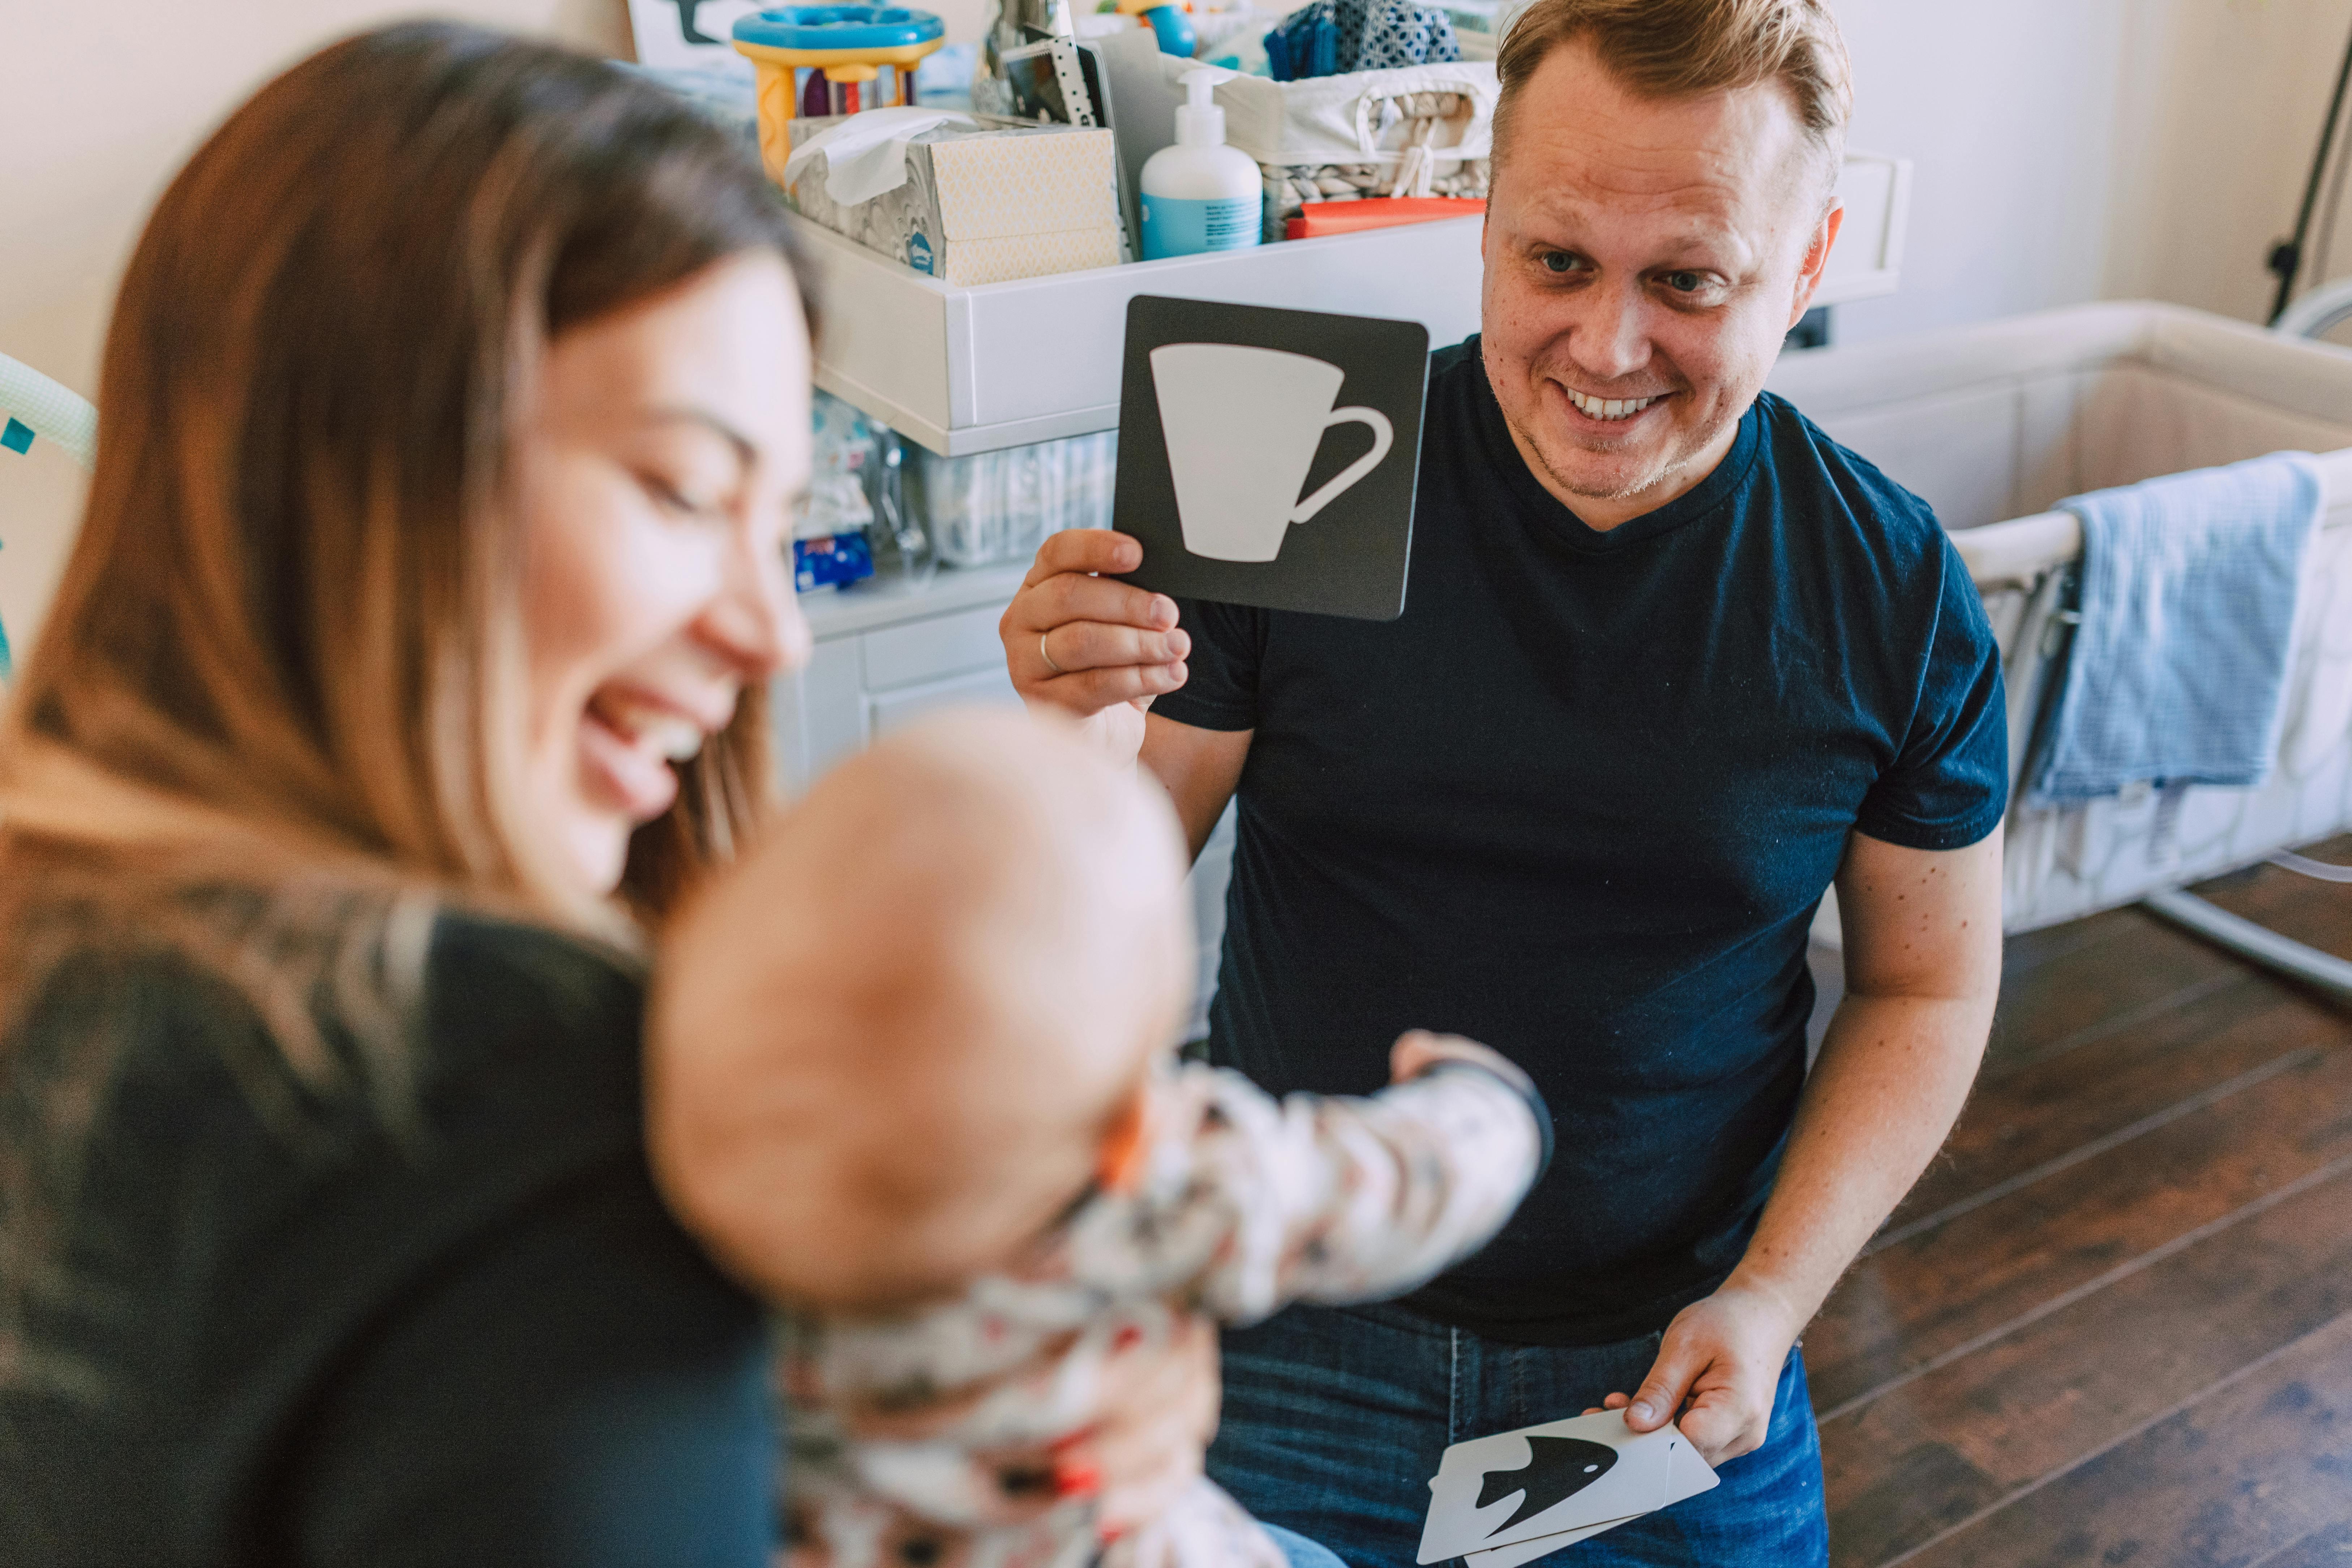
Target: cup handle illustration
[[1383, 437]]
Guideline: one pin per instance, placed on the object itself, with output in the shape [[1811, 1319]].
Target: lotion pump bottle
[[1200, 194]]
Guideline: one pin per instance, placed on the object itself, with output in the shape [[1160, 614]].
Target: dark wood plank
[[2137, 968], [2252, 1466], [2327, 1547], [1926, 1297], [2030, 950], [2073, 1383], [2309, 910], [2044, 1113]]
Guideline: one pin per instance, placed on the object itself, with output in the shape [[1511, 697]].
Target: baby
[[910, 1078]]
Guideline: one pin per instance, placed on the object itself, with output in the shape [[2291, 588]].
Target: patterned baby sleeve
[[1338, 1200]]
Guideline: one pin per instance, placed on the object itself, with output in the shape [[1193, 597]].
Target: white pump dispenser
[[1200, 194]]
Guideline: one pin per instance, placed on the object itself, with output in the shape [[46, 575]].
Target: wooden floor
[[2114, 1324]]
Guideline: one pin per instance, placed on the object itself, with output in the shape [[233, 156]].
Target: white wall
[[2007, 111], [100, 104], [2218, 174], [2072, 150]]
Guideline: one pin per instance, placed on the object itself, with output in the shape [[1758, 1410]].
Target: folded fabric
[[1380, 34], [2178, 667], [1334, 37], [1306, 45]]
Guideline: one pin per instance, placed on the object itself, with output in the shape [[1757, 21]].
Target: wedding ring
[[1048, 658]]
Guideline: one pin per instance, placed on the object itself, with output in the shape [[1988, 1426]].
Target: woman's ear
[[1119, 1164]]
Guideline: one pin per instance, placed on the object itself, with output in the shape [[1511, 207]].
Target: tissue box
[[984, 202]]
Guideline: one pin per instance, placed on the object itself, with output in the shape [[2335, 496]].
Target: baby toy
[[843, 47], [1168, 23]]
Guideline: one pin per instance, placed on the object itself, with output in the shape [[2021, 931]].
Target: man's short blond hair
[[1678, 48]]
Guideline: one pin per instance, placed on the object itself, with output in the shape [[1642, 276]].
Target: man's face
[[1644, 261]]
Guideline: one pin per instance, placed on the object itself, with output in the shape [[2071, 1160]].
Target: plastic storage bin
[[998, 506]]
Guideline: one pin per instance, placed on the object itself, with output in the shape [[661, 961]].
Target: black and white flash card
[[1269, 458], [1510, 1499]]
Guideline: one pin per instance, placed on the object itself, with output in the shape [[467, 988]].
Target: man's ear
[[1817, 258]]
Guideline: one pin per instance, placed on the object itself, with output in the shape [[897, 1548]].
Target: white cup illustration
[[1241, 426]]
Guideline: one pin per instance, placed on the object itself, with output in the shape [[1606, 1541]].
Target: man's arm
[[1199, 768], [1923, 970]]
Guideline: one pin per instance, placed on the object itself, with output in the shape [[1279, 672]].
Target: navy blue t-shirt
[[1580, 802]]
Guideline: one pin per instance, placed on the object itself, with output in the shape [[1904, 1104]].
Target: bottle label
[[1175, 226]]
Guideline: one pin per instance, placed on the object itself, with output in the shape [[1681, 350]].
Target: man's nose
[[1611, 339]]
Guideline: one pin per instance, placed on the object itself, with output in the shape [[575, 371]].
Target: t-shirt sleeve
[[1949, 781], [583, 1390], [1220, 692]]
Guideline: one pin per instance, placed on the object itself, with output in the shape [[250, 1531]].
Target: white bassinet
[[1993, 425]]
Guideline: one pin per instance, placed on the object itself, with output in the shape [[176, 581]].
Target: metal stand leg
[[2258, 944]]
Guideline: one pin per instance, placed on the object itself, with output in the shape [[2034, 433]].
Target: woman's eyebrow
[[744, 447]]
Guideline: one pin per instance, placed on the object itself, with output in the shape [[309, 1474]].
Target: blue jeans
[[1301, 1551], [1335, 1419]]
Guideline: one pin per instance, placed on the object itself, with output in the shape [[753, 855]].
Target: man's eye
[[1558, 261], [1685, 282]]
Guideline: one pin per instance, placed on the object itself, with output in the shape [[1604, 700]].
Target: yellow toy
[[842, 48]]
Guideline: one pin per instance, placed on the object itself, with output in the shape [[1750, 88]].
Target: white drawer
[[929, 649], [891, 710]]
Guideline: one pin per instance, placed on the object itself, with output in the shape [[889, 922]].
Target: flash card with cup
[[1269, 458], [1510, 1499]]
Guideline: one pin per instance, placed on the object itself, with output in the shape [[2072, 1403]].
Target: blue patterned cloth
[[2177, 674], [1330, 38]]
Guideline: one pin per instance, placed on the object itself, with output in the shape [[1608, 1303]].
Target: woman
[[409, 662]]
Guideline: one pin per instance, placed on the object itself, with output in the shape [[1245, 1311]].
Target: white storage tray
[[969, 370]]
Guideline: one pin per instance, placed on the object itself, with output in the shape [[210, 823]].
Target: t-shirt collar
[[1562, 523]]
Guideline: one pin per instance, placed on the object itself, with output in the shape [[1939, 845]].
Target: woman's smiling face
[[657, 481]]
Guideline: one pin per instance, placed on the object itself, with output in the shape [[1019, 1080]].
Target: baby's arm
[[1336, 1199]]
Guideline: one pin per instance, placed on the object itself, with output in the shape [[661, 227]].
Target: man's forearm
[[1891, 1077]]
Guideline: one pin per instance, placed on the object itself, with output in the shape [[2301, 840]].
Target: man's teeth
[[676, 738], [1609, 407]]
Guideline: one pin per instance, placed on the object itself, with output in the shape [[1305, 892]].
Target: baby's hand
[[1417, 1050]]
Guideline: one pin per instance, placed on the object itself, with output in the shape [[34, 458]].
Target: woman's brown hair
[[285, 653]]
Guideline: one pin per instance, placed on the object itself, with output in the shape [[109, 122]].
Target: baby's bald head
[[887, 1048]]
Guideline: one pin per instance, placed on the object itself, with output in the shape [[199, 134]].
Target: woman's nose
[[757, 623]]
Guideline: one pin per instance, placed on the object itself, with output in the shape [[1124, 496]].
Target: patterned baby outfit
[[1244, 1204]]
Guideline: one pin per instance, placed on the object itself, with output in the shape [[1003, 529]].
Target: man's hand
[[1097, 649], [1722, 1358]]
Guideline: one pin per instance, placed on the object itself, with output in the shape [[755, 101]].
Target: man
[[1671, 661]]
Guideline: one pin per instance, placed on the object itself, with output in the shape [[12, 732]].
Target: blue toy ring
[[846, 28]]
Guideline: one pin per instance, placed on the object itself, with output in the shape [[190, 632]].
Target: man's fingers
[[1662, 1392], [1090, 645], [1091, 692], [1722, 1426], [1060, 600], [1084, 550]]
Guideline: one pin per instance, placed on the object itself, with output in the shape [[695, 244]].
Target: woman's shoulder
[[429, 1244], [161, 1100], [520, 1010], [390, 1030]]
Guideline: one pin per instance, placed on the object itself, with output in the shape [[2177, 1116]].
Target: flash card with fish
[[1688, 1475], [1540, 1482]]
